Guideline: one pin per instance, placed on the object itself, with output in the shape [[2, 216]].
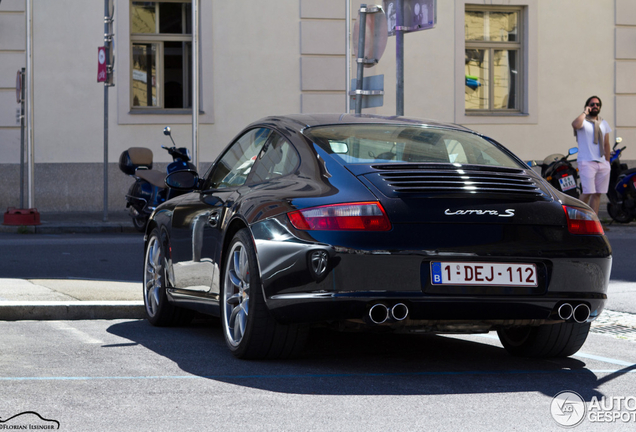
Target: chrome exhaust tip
[[581, 313], [399, 312], [565, 311], [378, 313]]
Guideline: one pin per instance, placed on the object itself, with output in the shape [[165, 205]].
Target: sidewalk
[[76, 222], [70, 299]]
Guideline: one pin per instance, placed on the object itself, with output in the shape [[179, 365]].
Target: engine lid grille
[[408, 180]]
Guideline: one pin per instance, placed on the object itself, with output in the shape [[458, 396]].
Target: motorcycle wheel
[[618, 213], [140, 223], [573, 193]]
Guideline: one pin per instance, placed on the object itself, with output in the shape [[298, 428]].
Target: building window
[[493, 60], [161, 48]]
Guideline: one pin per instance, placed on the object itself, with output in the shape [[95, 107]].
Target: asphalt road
[[622, 290], [125, 375], [106, 256], [119, 257], [129, 376]]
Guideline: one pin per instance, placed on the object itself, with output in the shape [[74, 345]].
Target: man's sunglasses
[[593, 104]]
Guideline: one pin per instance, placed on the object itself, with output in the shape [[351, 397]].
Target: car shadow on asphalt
[[336, 363]]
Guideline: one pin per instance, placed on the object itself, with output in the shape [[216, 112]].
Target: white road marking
[[77, 334], [604, 359]]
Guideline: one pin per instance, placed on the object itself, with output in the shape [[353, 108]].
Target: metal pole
[[360, 59], [22, 125], [105, 217], [348, 55], [399, 55], [107, 39], [195, 83], [29, 98]]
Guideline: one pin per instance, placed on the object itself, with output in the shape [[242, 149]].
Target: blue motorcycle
[[622, 188], [150, 189]]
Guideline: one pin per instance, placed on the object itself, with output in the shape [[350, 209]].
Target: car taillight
[[365, 216], [582, 221]]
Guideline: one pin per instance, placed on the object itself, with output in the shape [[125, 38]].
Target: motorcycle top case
[[134, 158]]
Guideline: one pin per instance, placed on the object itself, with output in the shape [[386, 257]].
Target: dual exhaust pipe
[[579, 313], [380, 313]]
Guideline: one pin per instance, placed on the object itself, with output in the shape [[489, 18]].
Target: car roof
[[302, 121]]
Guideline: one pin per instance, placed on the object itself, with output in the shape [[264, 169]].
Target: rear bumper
[[430, 310], [339, 278]]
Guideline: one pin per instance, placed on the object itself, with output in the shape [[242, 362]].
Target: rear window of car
[[394, 143]]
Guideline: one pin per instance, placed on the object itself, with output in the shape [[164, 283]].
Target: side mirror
[[167, 131], [573, 151], [183, 180], [619, 140]]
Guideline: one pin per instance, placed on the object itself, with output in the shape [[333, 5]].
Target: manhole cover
[[619, 324]]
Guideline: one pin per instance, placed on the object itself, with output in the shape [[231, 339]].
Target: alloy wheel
[[236, 294], [153, 276]]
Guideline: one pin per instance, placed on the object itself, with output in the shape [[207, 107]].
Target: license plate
[[500, 274], [567, 183]]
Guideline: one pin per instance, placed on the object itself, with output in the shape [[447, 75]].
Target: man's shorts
[[594, 176]]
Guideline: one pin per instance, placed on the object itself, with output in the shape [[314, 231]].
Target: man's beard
[[594, 112]]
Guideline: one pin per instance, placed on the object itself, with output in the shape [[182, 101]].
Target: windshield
[[364, 143]]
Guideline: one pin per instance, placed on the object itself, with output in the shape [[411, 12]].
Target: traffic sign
[[418, 15], [372, 92], [102, 67], [376, 36]]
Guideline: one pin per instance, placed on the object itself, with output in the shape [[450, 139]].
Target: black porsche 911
[[367, 222]]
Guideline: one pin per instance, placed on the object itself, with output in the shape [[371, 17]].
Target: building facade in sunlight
[[516, 70]]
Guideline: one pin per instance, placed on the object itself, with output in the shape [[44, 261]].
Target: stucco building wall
[[259, 59]]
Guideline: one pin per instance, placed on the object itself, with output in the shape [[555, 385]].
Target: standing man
[[592, 135]]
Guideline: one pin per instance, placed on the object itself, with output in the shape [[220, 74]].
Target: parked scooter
[[621, 194], [558, 170], [150, 189]]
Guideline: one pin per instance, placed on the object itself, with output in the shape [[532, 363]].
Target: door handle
[[213, 219]]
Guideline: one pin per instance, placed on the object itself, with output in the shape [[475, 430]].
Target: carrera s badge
[[508, 213]]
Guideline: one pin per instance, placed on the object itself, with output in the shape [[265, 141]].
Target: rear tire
[[159, 311], [545, 341], [250, 331], [140, 223], [573, 193], [618, 213]]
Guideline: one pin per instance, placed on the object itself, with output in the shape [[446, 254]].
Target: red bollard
[[15, 216]]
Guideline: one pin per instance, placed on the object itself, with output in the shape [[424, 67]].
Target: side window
[[235, 165], [277, 159]]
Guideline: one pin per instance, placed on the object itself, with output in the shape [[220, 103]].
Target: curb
[[71, 310]]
